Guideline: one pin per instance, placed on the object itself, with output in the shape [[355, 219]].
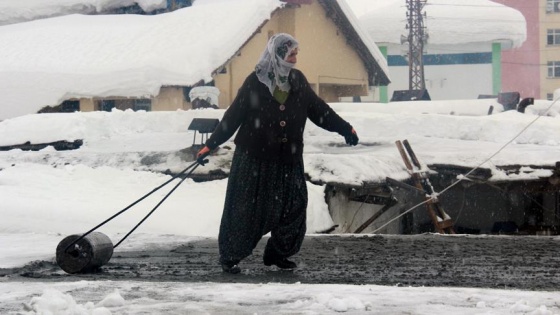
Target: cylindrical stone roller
[[88, 254]]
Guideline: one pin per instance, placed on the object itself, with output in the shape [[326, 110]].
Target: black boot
[[231, 267], [282, 263]]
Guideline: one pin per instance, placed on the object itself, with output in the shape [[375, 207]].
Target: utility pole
[[416, 39]]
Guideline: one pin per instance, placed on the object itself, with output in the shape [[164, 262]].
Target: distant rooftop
[[448, 22]]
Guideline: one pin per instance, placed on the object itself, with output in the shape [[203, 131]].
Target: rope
[[461, 178]]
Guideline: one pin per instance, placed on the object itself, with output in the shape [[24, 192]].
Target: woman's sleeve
[[232, 119], [322, 115]]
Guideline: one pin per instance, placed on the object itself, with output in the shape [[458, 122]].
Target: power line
[[500, 5], [454, 18]]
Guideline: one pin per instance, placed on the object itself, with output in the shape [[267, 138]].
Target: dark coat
[[268, 129]]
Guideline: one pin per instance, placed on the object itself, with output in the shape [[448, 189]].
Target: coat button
[[282, 107], [282, 123], [284, 140]]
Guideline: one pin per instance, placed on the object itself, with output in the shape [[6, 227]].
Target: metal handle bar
[[193, 166]]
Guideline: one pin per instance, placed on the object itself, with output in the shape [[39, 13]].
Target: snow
[[120, 297], [132, 297], [110, 171], [133, 56], [48, 194], [21, 11], [207, 93], [120, 55], [448, 22]]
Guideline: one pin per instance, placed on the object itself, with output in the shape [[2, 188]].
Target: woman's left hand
[[352, 138]]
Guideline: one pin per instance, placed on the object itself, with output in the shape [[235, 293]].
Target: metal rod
[[131, 205], [154, 209]]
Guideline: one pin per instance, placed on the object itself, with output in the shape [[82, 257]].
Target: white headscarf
[[272, 68]]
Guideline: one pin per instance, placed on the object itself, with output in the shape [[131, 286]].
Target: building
[[337, 58], [534, 68], [151, 62], [462, 56]]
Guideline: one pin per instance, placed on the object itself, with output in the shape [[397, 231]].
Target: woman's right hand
[[202, 154]]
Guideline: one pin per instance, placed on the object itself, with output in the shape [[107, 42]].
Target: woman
[[266, 188]]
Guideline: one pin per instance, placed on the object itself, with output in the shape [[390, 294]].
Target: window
[[553, 69], [553, 37], [107, 105], [70, 106], [143, 104], [549, 96], [552, 6]]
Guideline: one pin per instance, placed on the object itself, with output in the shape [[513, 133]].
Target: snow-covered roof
[[120, 55], [77, 56], [442, 132], [17, 11], [448, 22]]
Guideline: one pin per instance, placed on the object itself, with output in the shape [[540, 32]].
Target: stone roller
[[86, 255]]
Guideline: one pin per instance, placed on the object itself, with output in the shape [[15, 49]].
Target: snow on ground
[[48, 194], [118, 297]]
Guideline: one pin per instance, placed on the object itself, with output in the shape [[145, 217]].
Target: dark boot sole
[[232, 270]]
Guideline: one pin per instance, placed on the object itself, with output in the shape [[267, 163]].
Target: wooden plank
[[375, 216], [422, 182], [445, 224], [417, 181], [412, 154], [404, 156]]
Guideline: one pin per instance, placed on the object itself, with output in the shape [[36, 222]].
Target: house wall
[[170, 98], [475, 208], [331, 66], [243, 63], [450, 71], [324, 57], [451, 82], [87, 105], [350, 215], [520, 66], [525, 68], [548, 53]]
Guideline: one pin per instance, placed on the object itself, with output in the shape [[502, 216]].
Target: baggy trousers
[[263, 196]]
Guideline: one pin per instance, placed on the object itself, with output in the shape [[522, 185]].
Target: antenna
[[417, 37]]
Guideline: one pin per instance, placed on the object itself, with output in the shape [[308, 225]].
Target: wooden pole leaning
[[442, 221]]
